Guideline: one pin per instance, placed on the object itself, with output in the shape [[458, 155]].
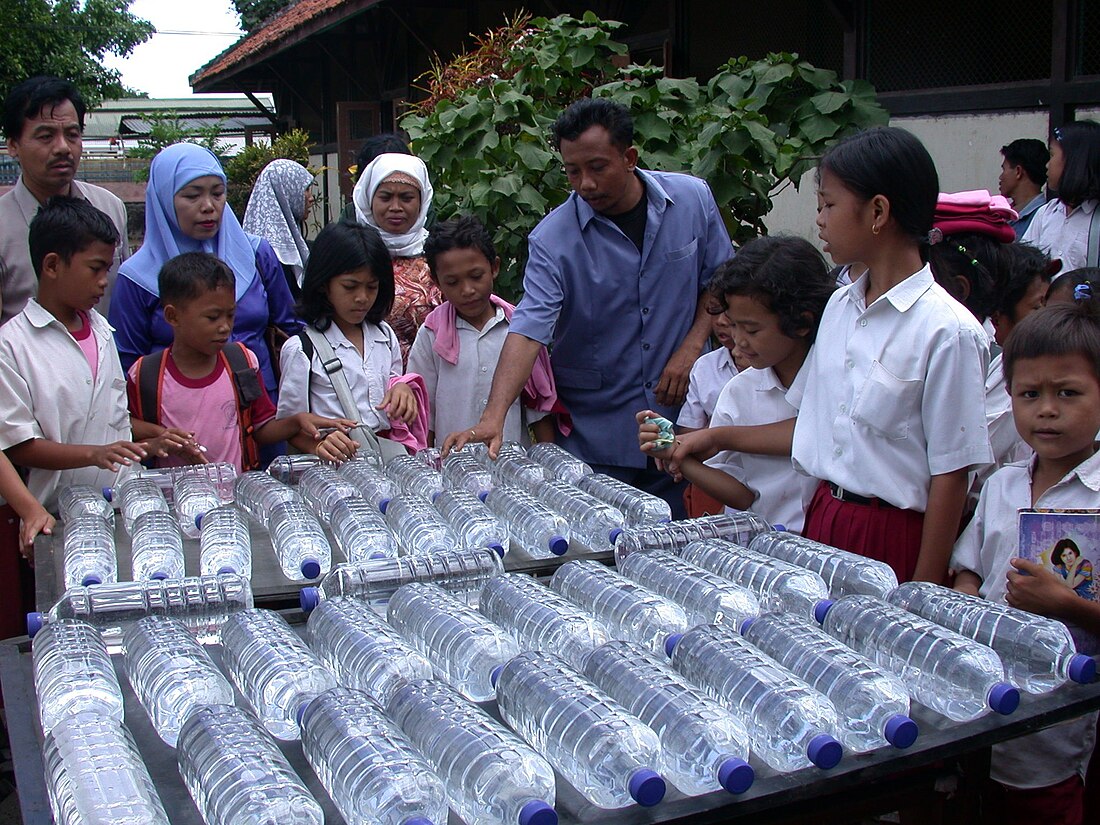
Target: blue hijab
[[171, 170]]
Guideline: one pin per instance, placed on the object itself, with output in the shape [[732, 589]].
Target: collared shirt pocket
[[683, 252], [886, 403], [578, 379]]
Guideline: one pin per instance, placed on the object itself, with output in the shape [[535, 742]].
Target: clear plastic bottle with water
[[360, 531], [610, 756], [541, 619], [872, 704], [221, 474], [323, 488], [465, 648], [739, 527], [88, 551], [462, 471], [532, 525], [367, 765], [471, 520], [461, 572], [430, 456], [778, 585], [704, 747], [414, 477], [706, 598], [171, 673], [558, 462], [628, 610], [272, 668], [594, 523], [790, 724], [844, 573], [491, 776], [95, 775], [638, 507], [156, 547], [81, 500], [193, 496], [418, 526], [374, 485], [516, 470], [236, 773], [1038, 653], [137, 495], [225, 545], [947, 672], [289, 468], [202, 603], [299, 542], [73, 673], [364, 651], [257, 494]]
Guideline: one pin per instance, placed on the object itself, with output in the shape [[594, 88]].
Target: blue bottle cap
[[311, 568], [198, 520], [309, 598], [1004, 698], [497, 548], [34, 623], [495, 675], [108, 493], [418, 820], [821, 610], [226, 569], [824, 751], [435, 495], [646, 787], [298, 714], [378, 554], [745, 625], [901, 731], [671, 642], [736, 775], [484, 494], [383, 503], [779, 528], [91, 579], [537, 812], [159, 576], [558, 545], [1082, 668], [664, 521], [613, 536]]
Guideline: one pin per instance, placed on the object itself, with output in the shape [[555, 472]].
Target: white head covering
[[276, 208], [410, 243]]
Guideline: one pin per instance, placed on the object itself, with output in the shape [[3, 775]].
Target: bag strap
[[362, 435], [150, 379], [1092, 255], [246, 387]]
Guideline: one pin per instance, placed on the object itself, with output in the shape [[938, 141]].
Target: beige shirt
[[18, 207]]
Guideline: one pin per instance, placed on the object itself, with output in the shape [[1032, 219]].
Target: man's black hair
[[1030, 154], [66, 226], [25, 100], [463, 232], [380, 144], [185, 277], [588, 112]]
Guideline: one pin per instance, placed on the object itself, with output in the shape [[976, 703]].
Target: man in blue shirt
[[613, 286], [1023, 176]]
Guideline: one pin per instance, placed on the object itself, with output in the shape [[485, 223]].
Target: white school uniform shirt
[[47, 391], [894, 393], [1061, 235], [985, 548], [757, 397], [1004, 439], [306, 387], [709, 375]]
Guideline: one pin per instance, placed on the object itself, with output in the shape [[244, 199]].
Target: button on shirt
[[709, 375], [611, 315], [1062, 234]]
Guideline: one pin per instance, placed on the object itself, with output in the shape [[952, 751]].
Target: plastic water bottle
[[627, 609], [193, 496], [374, 485], [89, 551], [272, 668], [608, 755], [299, 542], [532, 525], [516, 470], [471, 520], [236, 773], [289, 468], [323, 488], [591, 521], [156, 547], [95, 775], [73, 674], [739, 527], [418, 526], [82, 499], [137, 495], [491, 776], [461, 572], [872, 704], [703, 746], [558, 462], [221, 474], [705, 597], [1038, 653], [947, 672], [430, 456], [541, 619], [844, 573], [461, 471], [171, 673], [465, 648], [225, 545], [413, 477], [790, 724], [366, 763], [637, 507], [257, 494], [364, 651], [202, 603], [779, 586], [360, 531]]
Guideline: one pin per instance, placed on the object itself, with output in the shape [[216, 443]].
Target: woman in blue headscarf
[[185, 212]]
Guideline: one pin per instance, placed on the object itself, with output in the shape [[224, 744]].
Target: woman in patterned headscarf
[[277, 208]]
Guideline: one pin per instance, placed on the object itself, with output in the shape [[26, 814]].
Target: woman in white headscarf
[[277, 209], [393, 196]]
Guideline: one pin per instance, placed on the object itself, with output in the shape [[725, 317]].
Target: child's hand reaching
[[176, 442], [337, 447], [311, 425], [29, 527], [119, 454], [1036, 589], [399, 403], [698, 444]]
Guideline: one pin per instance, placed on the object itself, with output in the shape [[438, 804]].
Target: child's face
[[843, 219], [82, 280], [204, 323], [722, 329], [352, 294], [466, 278], [1056, 406], [1056, 165], [759, 340], [1033, 299]]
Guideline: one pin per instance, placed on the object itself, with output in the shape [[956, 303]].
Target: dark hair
[[975, 257], [25, 100], [1032, 155], [342, 247], [185, 277], [588, 112], [463, 232], [1061, 546], [1080, 142], [890, 162], [380, 144], [66, 226], [1018, 266], [1063, 289], [785, 274], [1059, 329]]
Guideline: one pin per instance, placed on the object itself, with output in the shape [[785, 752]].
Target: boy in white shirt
[[709, 374]]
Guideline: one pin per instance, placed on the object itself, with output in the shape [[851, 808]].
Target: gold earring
[[874, 229]]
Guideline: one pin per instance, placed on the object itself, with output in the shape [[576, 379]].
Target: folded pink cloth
[[975, 211], [413, 435]]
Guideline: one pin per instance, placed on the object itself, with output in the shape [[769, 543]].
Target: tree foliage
[[254, 12], [166, 128], [753, 128]]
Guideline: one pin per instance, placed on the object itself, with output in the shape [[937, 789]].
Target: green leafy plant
[[243, 168], [165, 129]]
